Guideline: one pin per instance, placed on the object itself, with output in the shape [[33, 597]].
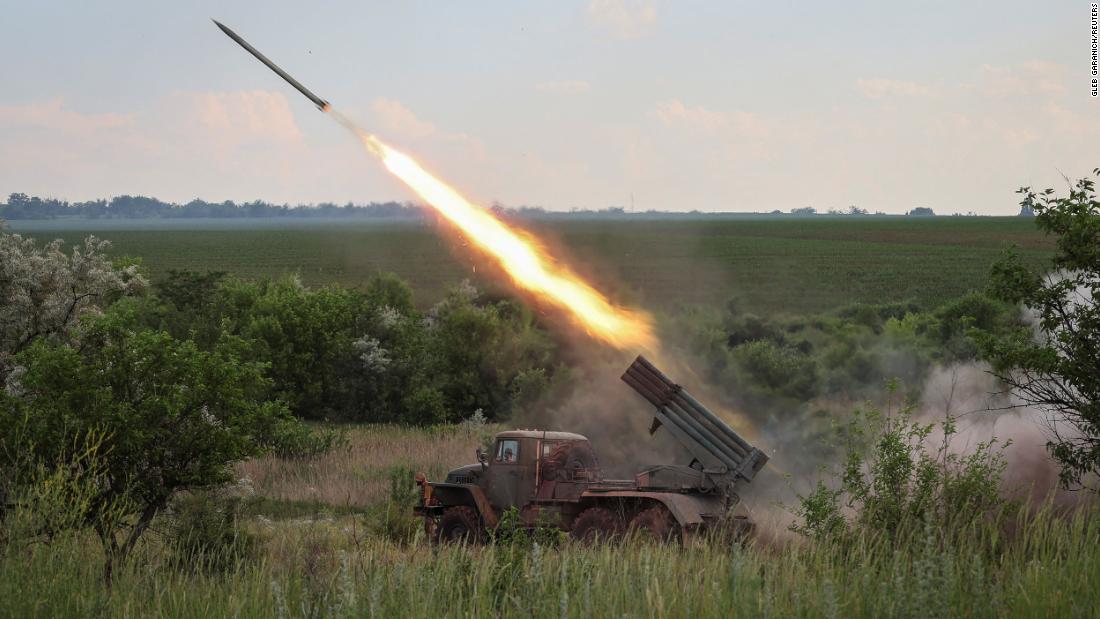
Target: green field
[[770, 265]]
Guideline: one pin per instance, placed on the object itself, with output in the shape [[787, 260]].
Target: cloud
[[396, 119], [881, 88], [708, 155], [50, 139], [696, 119], [566, 87], [240, 145], [52, 115], [626, 19], [181, 145], [1034, 77], [700, 120], [243, 115], [1068, 122]]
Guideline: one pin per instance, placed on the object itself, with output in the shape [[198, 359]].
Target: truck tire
[[655, 524], [596, 524], [459, 525]]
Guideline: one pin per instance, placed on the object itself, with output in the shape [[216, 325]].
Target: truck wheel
[[459, 525], [596, 524], [655, 524]]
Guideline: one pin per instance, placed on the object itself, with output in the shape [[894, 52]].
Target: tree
[[1056, 366], [363, 355], [44, 292], [166, 417], [921, 211], [487, 355]]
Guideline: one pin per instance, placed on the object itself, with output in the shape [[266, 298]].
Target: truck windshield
[[507, 450]]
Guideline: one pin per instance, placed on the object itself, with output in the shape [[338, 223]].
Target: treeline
[[22, 206]]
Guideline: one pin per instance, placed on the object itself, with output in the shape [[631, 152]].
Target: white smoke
[[984, 412]]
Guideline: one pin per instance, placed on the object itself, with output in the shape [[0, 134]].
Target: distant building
[[921, 211]]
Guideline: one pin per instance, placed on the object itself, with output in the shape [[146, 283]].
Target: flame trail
[[529, 267]]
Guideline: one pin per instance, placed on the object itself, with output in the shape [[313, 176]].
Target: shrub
[[958, 317], [393, 519], [44, 292], [512, 530], [894, 480], [42, 501], [206, 532], [751, 328], [778, 368]]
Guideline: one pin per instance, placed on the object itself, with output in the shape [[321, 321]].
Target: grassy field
[[328, 561], [328, 538], [357, 475], [771, 265], [325, 571]]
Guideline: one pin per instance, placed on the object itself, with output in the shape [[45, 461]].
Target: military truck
[[555, 477]]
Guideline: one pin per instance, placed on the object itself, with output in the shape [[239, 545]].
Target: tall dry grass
[[356, 474]]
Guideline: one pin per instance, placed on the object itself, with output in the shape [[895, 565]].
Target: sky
[[711, 106]]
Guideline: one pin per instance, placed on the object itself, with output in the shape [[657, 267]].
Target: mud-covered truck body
[[555, 477]]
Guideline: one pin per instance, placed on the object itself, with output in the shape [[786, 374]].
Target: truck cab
[[524, 469], [532, 466]]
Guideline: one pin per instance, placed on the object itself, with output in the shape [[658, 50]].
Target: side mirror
[[482, 458]]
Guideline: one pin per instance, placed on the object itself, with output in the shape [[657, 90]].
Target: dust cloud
[[617, 421]]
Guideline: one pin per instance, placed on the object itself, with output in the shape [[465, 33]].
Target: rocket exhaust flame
[[529, 267]]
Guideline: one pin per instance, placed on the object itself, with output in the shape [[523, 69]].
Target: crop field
[[770, 265]]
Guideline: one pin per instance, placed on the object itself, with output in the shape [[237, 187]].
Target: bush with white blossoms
[[44, 291], [375, 358], [389, 317]]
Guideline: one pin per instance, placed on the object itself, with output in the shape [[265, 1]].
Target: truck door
[[508, 476]]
